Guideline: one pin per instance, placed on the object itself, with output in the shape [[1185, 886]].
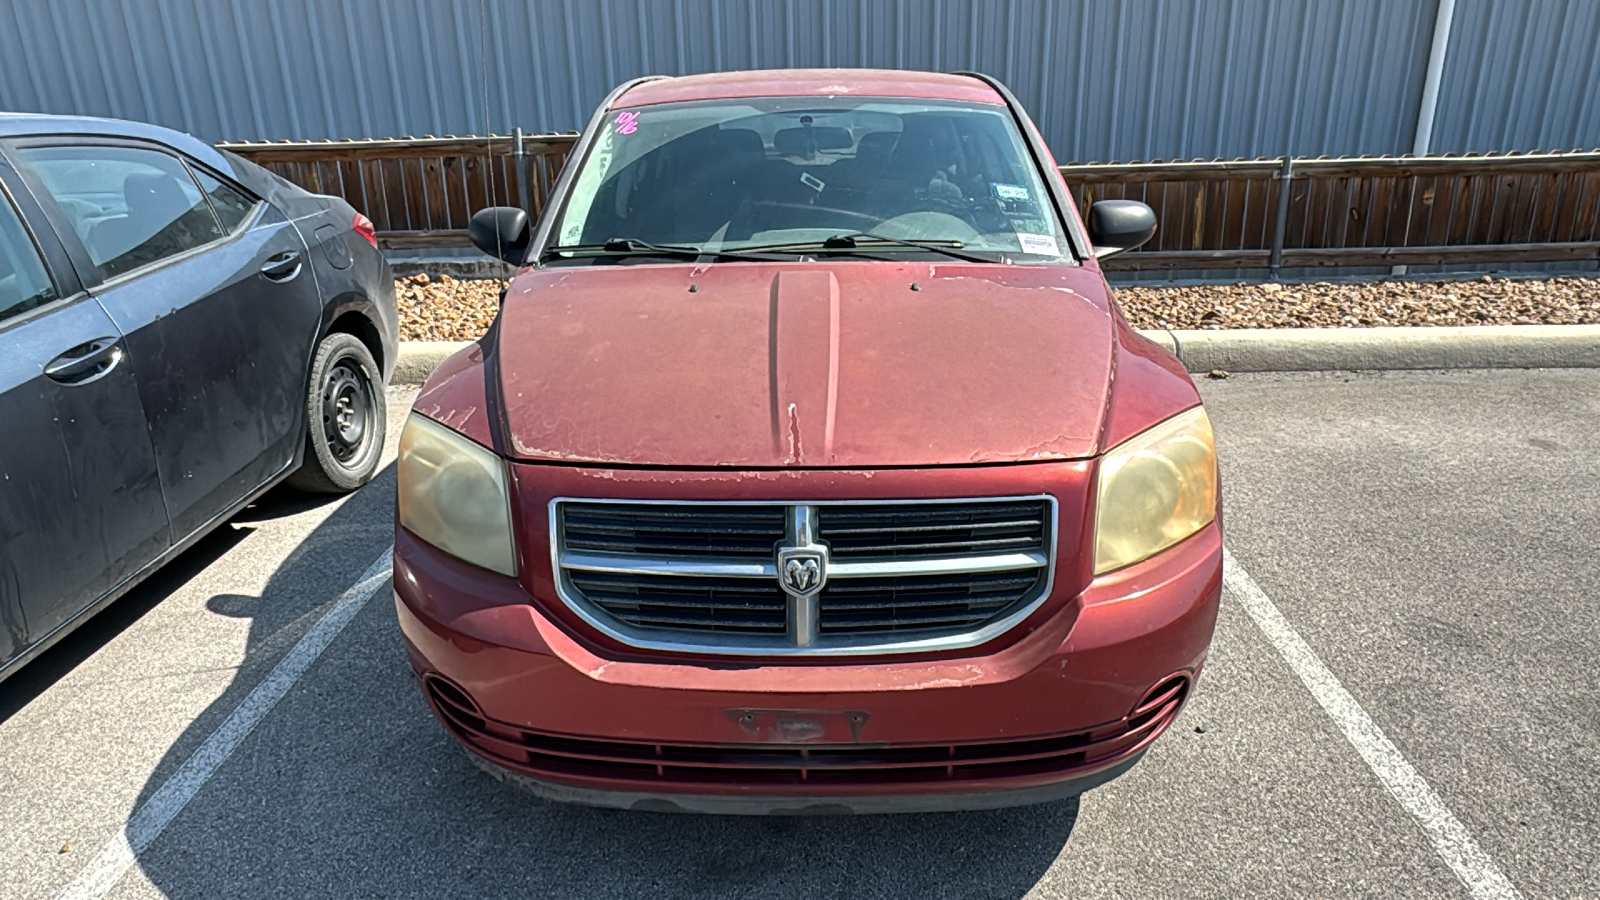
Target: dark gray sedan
[[180, 330]]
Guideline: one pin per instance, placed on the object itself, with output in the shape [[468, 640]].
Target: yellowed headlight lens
[[452, 494], [1155, 489]]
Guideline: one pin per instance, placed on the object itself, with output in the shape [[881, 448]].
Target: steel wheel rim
[[348, 411]]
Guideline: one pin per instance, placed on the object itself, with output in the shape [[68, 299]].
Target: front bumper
[[779, 805], [1071, 703]]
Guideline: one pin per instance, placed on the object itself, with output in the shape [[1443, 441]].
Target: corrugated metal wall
[[1521, 75], [1142, 79]]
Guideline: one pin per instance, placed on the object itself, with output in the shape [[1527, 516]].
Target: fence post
[[520, 154], [1280, 221]]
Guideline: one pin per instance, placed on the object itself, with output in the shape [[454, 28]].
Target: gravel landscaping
[[442, 308]]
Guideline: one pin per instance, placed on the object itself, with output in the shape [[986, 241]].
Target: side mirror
[[1118, 225], [501, 232]]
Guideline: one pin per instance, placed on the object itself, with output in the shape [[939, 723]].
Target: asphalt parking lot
[[1400, 701]]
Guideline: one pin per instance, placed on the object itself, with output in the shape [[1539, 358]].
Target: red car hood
[[823, 365]]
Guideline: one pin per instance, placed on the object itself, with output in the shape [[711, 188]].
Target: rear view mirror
[[501, 232], [1118, 225]]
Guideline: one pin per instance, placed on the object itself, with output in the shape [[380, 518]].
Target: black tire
[[345, 418]]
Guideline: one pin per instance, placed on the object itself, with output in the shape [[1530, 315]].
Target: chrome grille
[[645, 529], [737, 605], [868, 605], [965, 529], [803, 579]]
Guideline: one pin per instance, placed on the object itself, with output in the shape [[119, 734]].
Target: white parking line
[[1450, 838], [149, 820]]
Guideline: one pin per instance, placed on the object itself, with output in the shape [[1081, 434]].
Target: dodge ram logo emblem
[[801, 574], [802, 570]]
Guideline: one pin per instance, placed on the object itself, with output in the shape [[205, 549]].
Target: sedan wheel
[[345, 418]]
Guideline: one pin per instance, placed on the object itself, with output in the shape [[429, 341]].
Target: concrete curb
[[1293, 349], [1350, 349], [417, 359]]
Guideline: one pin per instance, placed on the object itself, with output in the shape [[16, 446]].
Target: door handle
[[85, 362], [281, 267]]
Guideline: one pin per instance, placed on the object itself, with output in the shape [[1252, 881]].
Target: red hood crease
[[821, 365]]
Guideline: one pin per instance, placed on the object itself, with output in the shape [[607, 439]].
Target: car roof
[[14, 125], [809, 82]]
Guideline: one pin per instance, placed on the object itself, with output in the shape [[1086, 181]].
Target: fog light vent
[[455, 704], [1161, 699]]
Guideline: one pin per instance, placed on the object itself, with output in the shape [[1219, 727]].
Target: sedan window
[[24, 281], [130, 207], [233, 207]]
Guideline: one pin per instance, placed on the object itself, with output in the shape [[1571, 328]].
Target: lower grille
[[762, 578], [776, 766]]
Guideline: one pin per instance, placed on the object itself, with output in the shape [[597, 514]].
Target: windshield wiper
[[636, 247], [865, 240]]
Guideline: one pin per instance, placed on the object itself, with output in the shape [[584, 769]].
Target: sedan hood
[[807, 365]]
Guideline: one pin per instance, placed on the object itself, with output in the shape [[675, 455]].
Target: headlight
[[1155, 489], [452, 494]]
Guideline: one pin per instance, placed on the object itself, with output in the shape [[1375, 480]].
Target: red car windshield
[[797, 171]]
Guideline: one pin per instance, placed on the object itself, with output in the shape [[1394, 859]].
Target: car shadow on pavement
[[42, 673], [280, 502], [350, 788]]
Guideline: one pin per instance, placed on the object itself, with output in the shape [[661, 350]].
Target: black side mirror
[[501, 232], [1118, 225]]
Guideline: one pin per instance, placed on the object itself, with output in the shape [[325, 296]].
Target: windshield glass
[[770, 173]]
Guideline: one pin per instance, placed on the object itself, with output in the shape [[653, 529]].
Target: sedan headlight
[[452, 494], [1155, 489]]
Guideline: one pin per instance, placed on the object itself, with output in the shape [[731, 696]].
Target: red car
[[809, 467]]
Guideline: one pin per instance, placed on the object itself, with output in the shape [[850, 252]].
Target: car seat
[[151, 228], [718, 167]]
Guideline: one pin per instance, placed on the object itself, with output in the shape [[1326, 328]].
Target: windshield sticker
[[812, 181], [1039, 243], [627, 122], [1010, 192]]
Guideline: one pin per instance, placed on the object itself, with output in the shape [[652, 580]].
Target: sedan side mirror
[[501, 232], [1118, 225]]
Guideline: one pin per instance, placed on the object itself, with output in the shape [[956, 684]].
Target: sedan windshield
[[881, 178]]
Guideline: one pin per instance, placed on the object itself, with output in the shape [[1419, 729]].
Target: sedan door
[[80, 502], [210, 286]]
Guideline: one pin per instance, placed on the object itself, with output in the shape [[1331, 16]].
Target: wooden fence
[[1381, 211], [420, 192], [1357, 212]]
